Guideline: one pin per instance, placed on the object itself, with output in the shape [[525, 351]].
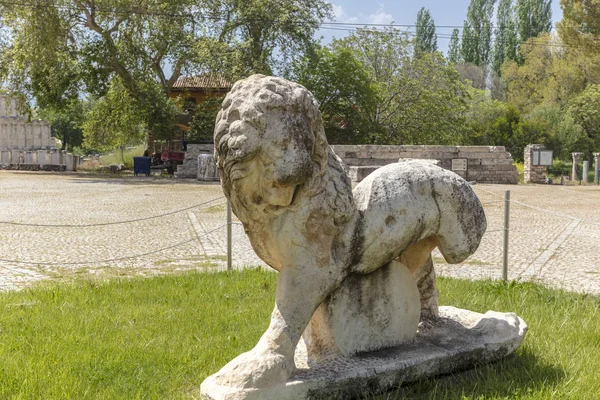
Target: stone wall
[[189, 168], [17, 133], [533, 173], [483, 164], [39, 160]]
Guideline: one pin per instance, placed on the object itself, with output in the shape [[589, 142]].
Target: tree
[[547, 74], [580, 29], [60, 48], [477, 32], [203, 121], [67, 123], [480, 77], [257, 27], [345, 91], [580, 25], [491, 122], [506, 42], [113, 121], [454, 48], [419, 100], [585, 111], [534, 17], [425, 39]]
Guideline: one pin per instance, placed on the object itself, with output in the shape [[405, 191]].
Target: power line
[[211, 16]]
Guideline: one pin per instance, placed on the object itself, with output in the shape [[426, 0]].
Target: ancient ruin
[[356, 304], [16, 133]]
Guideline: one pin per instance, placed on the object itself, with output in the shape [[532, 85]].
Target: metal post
[[229, 236], [506, 226]]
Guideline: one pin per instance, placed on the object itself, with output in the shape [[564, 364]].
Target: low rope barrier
[[111, 223], [115, 259]]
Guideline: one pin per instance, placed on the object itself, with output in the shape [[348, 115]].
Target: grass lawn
[[158, 338]]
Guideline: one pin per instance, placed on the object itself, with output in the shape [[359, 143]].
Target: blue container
[[141, 165]]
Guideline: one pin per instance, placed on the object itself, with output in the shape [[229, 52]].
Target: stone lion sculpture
[[330, 244]]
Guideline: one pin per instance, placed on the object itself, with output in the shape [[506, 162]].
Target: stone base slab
[[458, 341]]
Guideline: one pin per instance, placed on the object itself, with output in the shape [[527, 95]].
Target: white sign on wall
[[459, 164], [542, 158]]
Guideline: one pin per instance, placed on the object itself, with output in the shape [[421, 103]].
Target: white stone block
[[69, 162], [16, 157], [56, 157], [5, 157]]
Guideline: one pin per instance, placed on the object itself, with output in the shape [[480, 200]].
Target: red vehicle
[[171, 159]]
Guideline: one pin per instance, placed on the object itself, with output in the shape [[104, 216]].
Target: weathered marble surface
[[360, 259], [458, 340]]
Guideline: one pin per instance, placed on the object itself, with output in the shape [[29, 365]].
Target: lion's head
[[269, 141]]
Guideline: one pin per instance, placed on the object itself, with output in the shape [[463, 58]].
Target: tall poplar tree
[[506, 42], [454, 48], [477, 34], [426, 39], [534, 17]]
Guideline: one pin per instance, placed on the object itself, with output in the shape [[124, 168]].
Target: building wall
[[17, 133], [484, 164]]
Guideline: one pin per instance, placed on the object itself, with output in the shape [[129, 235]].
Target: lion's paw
[[256, 369]]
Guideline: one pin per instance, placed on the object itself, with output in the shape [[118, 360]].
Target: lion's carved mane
[[239, 140]]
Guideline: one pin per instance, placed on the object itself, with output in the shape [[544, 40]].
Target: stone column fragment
[[596, 167], [576, 158]]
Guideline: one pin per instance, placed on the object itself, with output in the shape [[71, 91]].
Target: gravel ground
[[61, 226]]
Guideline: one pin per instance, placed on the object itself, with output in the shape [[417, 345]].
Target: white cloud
[[380, 17], [340, 14]]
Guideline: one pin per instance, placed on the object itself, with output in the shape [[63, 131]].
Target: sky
[[445, 13]]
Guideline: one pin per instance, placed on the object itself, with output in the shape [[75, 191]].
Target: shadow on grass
[[515, 376]]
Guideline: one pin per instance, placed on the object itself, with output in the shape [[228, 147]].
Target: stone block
[[358, 173], [56, 157], [69, 165], [16, 157], [5, 157], [41, 155], [207, 169]]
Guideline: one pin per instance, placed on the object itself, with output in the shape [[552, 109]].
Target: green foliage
[[492, 122], [477, 32], [506, 41], [63, 49], [67, 122], [585, 111], [425, 39], [114, 120], [255, 28], [580, 25], [534, 17], [419, 100], [203, 121], [454, 47], [546, 75], [345, 90]]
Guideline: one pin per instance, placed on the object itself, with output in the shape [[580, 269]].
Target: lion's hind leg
[[420, 263]]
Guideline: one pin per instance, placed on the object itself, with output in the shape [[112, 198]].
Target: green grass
[[520, 171], [127, 159], [158, 338], [155, 338]]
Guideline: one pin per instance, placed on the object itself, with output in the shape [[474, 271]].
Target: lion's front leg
[[300, 290]]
